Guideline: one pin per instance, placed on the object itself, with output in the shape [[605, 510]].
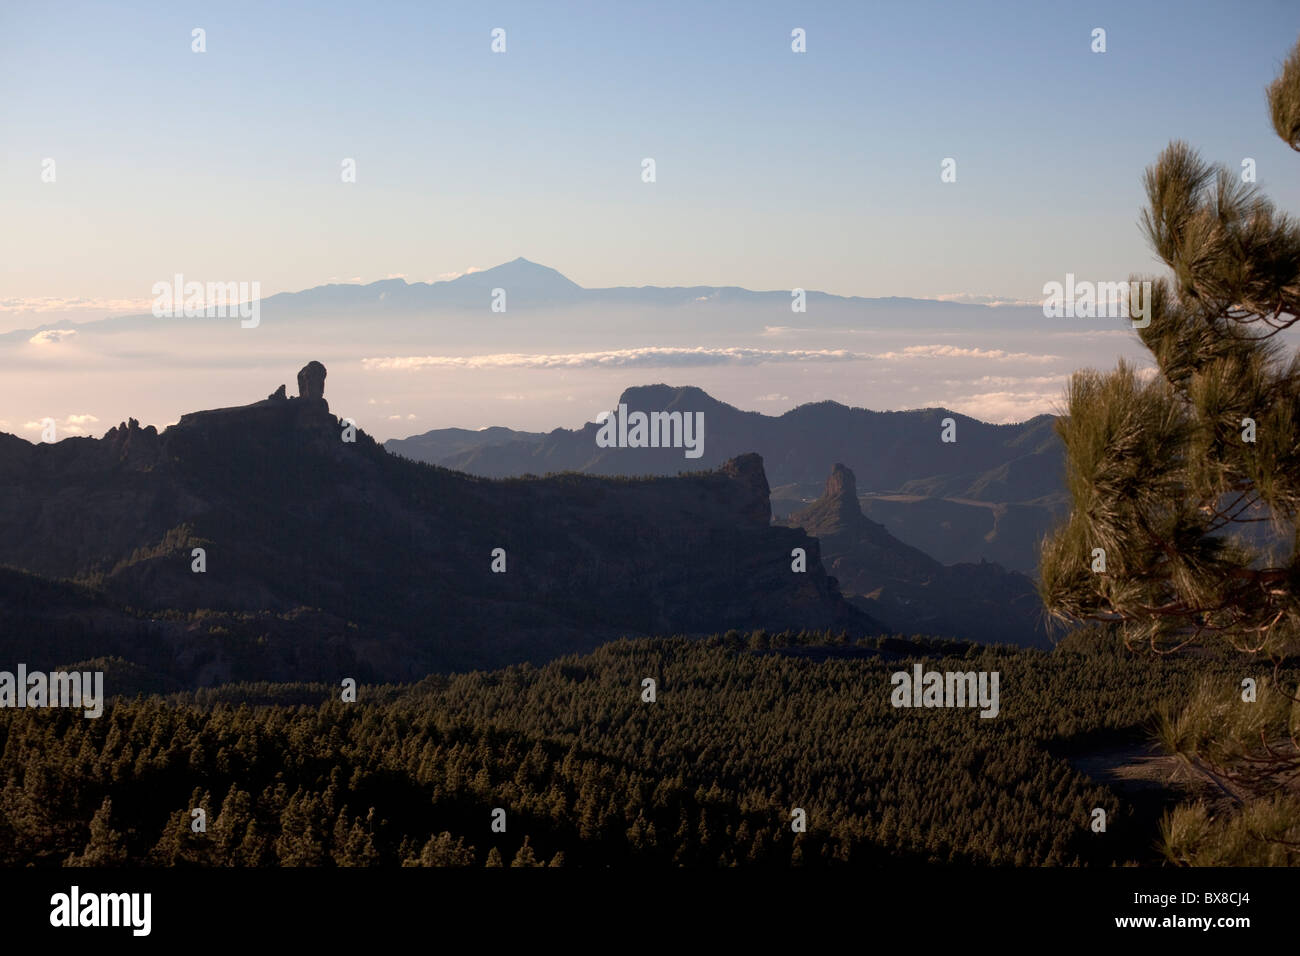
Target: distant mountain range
[[989, 495], [324, 558], [529, 286]]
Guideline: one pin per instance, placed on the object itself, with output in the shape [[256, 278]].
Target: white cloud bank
[[993, 301], [51, 303], [1006, 406], [686, 358], [52, 336], [72, 425], [956, 351], [618, 358]]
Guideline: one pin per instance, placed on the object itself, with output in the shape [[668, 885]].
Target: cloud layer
[[687, 358], [52, 336], [618, 358], [957, 351]]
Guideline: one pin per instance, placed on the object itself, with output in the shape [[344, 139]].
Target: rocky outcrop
[[750, 488], [838, 507], [132, 444], [909, 590], [311, 381], [841, 483], [401, 569]]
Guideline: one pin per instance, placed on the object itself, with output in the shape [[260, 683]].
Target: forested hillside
[[744, 729]]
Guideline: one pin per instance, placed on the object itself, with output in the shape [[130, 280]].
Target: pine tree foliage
[[591, 775], [1186, 482]]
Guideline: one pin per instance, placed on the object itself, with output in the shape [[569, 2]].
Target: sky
[[774, 169]]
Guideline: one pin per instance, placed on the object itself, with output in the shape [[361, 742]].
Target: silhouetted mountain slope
[[891, 452], [442, 443], [396, 557], [954, 531], [909, 590], [527, 285]]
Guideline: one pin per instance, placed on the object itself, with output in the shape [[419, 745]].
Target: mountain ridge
[[990, 495], [324, 557], [530, 284]]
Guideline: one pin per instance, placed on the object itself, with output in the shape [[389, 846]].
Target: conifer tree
[[525, 855], [1186, 487], [106, 847]]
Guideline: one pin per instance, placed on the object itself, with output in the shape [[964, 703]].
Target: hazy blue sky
[[775, 169]]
